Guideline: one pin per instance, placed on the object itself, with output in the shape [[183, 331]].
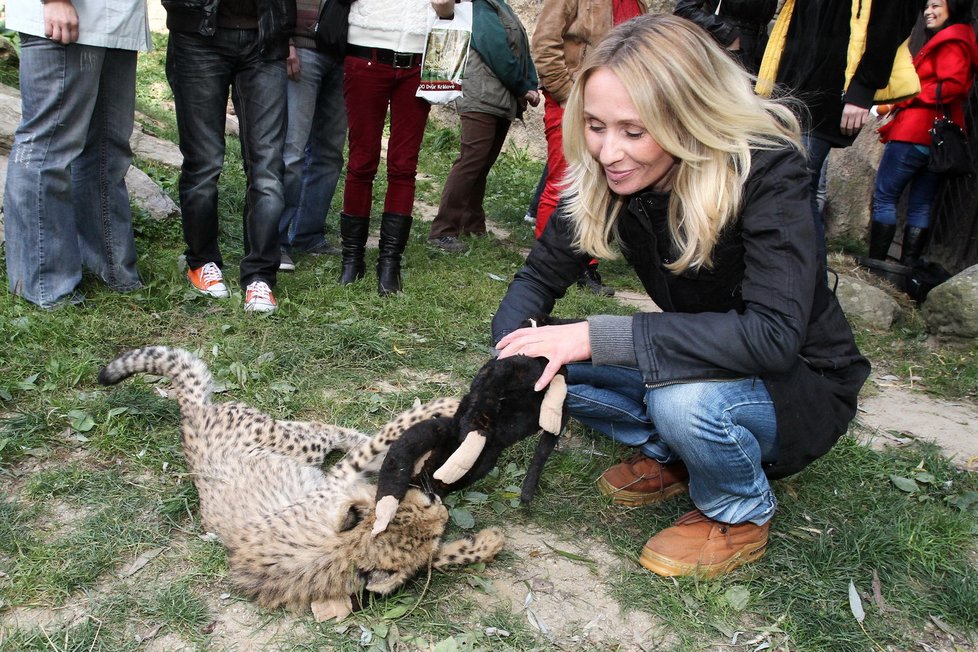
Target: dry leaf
[[149, 633], [139, 562], [538, 623], [878, 595], [944, 627], [856, 603]]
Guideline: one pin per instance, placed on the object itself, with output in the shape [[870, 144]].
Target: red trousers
[[370, 88]]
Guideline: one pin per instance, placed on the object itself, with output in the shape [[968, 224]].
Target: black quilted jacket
[[760, 311]]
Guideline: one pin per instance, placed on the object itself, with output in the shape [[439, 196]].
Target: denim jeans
[[369, 88], [66, 206], [201, 71], [313, 149], [723, 431], [905, 164]]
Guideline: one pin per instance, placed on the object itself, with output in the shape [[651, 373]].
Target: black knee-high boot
[[880, 237], [394, 232], [914, 241], [353, 236]]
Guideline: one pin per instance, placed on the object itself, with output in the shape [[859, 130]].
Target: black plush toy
[[447, 454]]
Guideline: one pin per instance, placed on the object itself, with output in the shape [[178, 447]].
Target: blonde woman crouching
[[750, 372]]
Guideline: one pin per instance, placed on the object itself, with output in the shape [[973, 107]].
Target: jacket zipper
[[684, 381]]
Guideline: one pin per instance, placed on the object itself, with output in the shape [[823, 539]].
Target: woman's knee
[[678, 410], [688, 408]]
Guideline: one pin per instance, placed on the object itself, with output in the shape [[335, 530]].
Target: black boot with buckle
[[394, 232], [353, 236]]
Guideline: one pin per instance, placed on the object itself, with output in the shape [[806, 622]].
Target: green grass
[[91, 478]]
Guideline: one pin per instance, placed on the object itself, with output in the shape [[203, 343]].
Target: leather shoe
[[642, 480], [696, 545]]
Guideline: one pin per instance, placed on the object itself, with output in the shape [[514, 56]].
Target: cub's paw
[[481, 547]]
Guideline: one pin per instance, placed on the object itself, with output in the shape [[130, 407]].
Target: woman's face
[[935, 14], [617, 139]]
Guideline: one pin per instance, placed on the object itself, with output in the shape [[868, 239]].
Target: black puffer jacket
[[276, 20], [744, 19], [760, 311]]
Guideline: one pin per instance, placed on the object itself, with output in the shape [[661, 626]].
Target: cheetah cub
[[299, 535]]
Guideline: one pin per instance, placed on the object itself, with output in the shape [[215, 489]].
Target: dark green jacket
[[499, 70]]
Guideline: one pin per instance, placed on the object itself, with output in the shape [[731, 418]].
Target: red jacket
[[950, 57]]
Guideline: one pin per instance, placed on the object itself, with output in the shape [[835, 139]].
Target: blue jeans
[[905, 164], [201, 71], [66, 206], [723, 431], [313, 149], [818, 153]]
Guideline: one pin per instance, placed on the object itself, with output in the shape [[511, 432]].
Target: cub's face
[[385, 561]]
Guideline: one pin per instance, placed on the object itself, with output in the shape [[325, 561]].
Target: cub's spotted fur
[[298, 535]]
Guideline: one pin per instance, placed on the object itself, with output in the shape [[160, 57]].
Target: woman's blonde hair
[[698, 104]]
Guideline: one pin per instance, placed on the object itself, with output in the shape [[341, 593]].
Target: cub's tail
[[190, 377]]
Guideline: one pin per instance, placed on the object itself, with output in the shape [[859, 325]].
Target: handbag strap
[[941, 107]]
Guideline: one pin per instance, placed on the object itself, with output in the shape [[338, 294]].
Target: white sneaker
[[207, 279], [259, 297]]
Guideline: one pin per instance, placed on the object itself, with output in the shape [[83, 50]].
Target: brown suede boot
[[696, 545], [642, 481]]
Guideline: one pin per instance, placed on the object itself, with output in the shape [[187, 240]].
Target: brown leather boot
[[642, 481], [697, 545]]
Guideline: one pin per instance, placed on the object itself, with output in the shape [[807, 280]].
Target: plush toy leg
[[552, 408], [546, 445], [383, 513], [462, 459]]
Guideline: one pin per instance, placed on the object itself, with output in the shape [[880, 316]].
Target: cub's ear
[[354, 516]]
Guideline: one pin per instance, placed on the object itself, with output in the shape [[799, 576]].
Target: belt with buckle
[[385, 56]]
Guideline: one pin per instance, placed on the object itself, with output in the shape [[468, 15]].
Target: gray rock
[[3, 177], [866, 303], [158, 150], [143, 191], [951, 308], [9, 115], [146, 194], [851, 178]]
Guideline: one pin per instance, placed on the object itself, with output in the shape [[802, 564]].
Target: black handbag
[[950, 153], [332, 27]]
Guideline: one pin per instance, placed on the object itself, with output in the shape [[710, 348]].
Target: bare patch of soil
[[895, 414], [566, 600]]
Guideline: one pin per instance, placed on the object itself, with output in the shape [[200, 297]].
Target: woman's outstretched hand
[[559, 344]]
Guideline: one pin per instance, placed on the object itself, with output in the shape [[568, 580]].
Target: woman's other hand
[[532, 97], [561, 345]]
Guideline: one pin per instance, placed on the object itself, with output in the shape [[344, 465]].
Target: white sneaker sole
[[215, 292]]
